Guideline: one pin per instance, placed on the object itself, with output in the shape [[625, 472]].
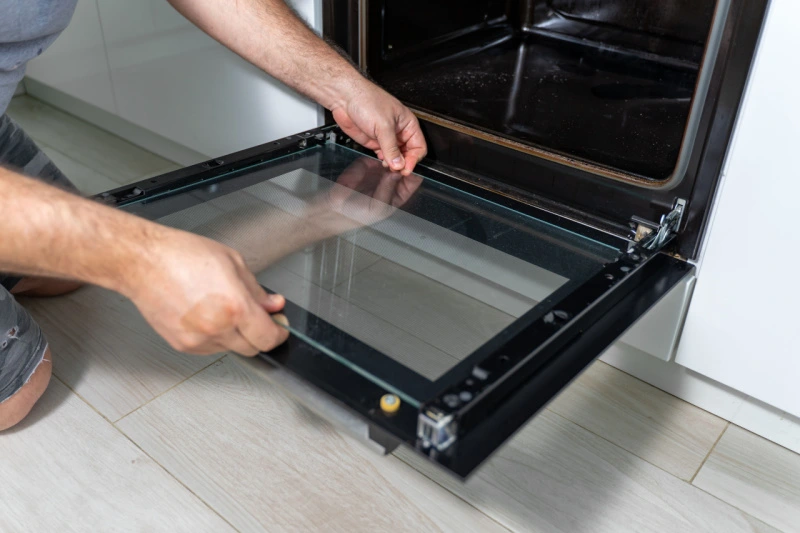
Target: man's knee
[[17, 407]]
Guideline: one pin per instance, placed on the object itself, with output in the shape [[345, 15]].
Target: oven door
[[437, 314]]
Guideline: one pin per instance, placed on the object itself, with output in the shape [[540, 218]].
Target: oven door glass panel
[[420, 272], [471, 308]]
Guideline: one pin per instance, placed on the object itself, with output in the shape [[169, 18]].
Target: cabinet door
[[171, 78], [742, 327], [76, 63]]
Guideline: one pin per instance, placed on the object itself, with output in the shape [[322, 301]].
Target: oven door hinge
[[653, 237], [436, 429]]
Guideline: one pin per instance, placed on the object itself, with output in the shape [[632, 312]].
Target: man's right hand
[[200, 296]]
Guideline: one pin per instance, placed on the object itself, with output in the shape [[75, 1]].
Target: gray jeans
[[22, 344]]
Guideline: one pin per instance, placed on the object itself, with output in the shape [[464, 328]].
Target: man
[[197, 293]]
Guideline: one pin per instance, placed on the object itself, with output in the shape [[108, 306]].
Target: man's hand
[[366, 193], [200, 296], [268, 34], [378, 121]]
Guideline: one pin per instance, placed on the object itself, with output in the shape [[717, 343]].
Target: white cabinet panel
[[658, 331], [171, 78], [743, 326], [76, 63]]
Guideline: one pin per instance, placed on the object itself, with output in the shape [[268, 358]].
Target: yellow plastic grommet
[[390, 403]]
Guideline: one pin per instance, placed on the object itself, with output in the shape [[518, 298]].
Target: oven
[[574, 152]]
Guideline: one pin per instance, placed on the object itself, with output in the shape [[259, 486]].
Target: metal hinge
[[652, 236]]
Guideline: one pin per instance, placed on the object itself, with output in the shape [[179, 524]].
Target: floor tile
[[97, 149], [88, 181], [66, 469], [451, 321], [486, 283], [104, 350], [266, 464], [755, 475], [329, 263], [642, 419], [555, 476], [372, 330]]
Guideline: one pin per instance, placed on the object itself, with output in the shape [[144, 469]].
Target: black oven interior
[[545, 100], [607, 82]]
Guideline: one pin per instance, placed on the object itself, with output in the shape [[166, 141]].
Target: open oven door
[[438, 314]]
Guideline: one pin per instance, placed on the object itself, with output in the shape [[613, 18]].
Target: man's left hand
[[378, 121]]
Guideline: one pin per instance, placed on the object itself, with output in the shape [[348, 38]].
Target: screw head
[[390, 403]]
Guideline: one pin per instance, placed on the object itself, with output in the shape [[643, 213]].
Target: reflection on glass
[[421, 272]]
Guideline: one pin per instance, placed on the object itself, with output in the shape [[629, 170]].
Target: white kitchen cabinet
[[743, 326], [76, 63], [172, 79]]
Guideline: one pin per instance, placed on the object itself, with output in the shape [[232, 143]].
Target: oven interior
[[609, 83]]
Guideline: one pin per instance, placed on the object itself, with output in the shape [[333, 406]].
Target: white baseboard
[[740, 409], [101, 118]]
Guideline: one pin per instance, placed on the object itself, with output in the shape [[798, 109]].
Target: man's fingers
[[387, 139], [260, 330], [197, 344], [235, 341], [271, 303], [415, 148]]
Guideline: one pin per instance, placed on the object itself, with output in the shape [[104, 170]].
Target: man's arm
[[268, 34], [196, 293]]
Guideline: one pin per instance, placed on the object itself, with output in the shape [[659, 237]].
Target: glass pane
[[422, 273]]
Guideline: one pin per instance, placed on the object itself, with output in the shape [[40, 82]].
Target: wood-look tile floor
[[131, 436]]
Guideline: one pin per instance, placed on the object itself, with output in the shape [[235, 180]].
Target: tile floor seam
[[84, 400], [702, 464], [170, 474], [359, 271], [426, 476], [776, 528], [113, 425], [457, 360], [170, 388], [460, 268], [616, 445], [673, 475]]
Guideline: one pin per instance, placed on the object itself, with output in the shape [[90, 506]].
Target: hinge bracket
[[436, 429], [652, 236]]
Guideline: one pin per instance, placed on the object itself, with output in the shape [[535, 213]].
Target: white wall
[[76, 64], [143, 62]]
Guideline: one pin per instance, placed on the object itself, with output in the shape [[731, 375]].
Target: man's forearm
[[268, 34], [49, 232]]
